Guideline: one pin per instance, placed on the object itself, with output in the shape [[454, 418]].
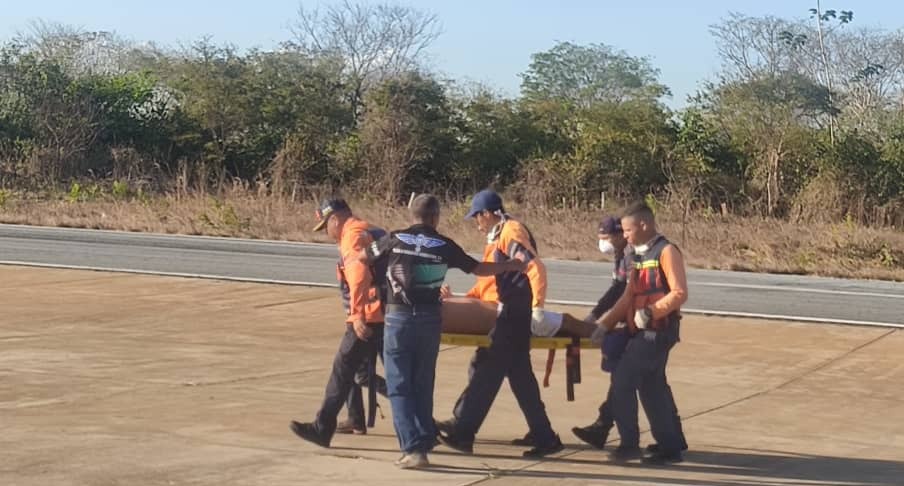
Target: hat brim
[[471, 214], [321, 224]]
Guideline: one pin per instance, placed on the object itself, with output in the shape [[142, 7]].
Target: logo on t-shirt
[[420, 241]]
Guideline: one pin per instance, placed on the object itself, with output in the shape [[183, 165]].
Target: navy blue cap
[[485, 200], [327, 208], [610, 225]]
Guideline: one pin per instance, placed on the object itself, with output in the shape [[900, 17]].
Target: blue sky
[[488, 41]]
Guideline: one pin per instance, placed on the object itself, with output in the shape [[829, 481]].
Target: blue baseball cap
[[610, 225], [485, 200]]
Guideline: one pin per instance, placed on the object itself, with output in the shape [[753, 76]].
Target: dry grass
[[712, 241]]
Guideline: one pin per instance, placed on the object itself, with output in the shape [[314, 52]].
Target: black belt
[[412, 308]]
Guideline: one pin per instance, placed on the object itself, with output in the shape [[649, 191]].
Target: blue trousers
[[641, 370], [410, 348], [507, 357]]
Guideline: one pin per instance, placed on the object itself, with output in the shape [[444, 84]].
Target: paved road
[[717, 292]]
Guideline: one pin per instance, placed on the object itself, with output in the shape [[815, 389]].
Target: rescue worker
[[611, 242], [651, 307], [356, 421], [363, 336], [418, 258], [520, 298]]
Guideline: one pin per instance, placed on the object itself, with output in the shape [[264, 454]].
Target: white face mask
[[642, 249], [606, 247]]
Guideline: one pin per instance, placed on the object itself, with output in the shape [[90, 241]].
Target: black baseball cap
[[326, 209]]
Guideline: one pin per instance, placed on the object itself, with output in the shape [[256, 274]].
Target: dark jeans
[[410, 349], [350, 357], [508, 356], [642, 370], [606, 417]]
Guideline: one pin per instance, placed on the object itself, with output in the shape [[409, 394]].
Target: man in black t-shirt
[[418, 258]]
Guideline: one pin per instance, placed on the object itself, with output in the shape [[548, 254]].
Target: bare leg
[[576, 327]]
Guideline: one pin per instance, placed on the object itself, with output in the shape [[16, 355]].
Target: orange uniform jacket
[[364, 298], [511, 239]]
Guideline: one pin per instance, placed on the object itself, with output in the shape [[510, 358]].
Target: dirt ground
[[114, 379]]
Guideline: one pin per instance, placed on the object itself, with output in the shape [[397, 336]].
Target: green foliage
[[120, 190], [886, 256], [408, 135], [586, 75], [789, 123], [651, 202], [75, 192], [223, 217], [78, 193]]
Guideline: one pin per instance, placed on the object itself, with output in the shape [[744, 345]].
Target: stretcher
[[571, 345], [467, 322]]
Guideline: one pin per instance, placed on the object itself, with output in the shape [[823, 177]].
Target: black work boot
[[526, 441], [654, 448], [350, 427], [661, 458], [626, 453], [594, 434], [445, 426], [545, 449], [454, 442], [309, 432]]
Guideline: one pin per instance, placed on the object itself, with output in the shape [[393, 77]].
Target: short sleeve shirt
[[417, 261]]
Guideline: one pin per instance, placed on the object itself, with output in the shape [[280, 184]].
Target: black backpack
[[380, 268]]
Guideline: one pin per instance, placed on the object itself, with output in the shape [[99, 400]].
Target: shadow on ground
[[746, 467]]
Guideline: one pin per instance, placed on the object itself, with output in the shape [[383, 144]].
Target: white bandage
[[545, 323]]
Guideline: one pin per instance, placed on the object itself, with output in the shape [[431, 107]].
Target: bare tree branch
[[374, 42]]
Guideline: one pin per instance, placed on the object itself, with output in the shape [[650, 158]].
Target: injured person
[[467, 315]]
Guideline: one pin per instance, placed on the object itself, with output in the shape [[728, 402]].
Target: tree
[[585, 75], [863, 69], [867, 68], [59, 114], [407, 135], [753, 47], [767, 120], [496, 135], [372, 42], [703, 165], [79, 52]]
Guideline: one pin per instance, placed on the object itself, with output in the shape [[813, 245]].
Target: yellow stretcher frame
[[482, 341], [572, 361]]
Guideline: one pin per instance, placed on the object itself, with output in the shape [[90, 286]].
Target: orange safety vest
[[648, 284]]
